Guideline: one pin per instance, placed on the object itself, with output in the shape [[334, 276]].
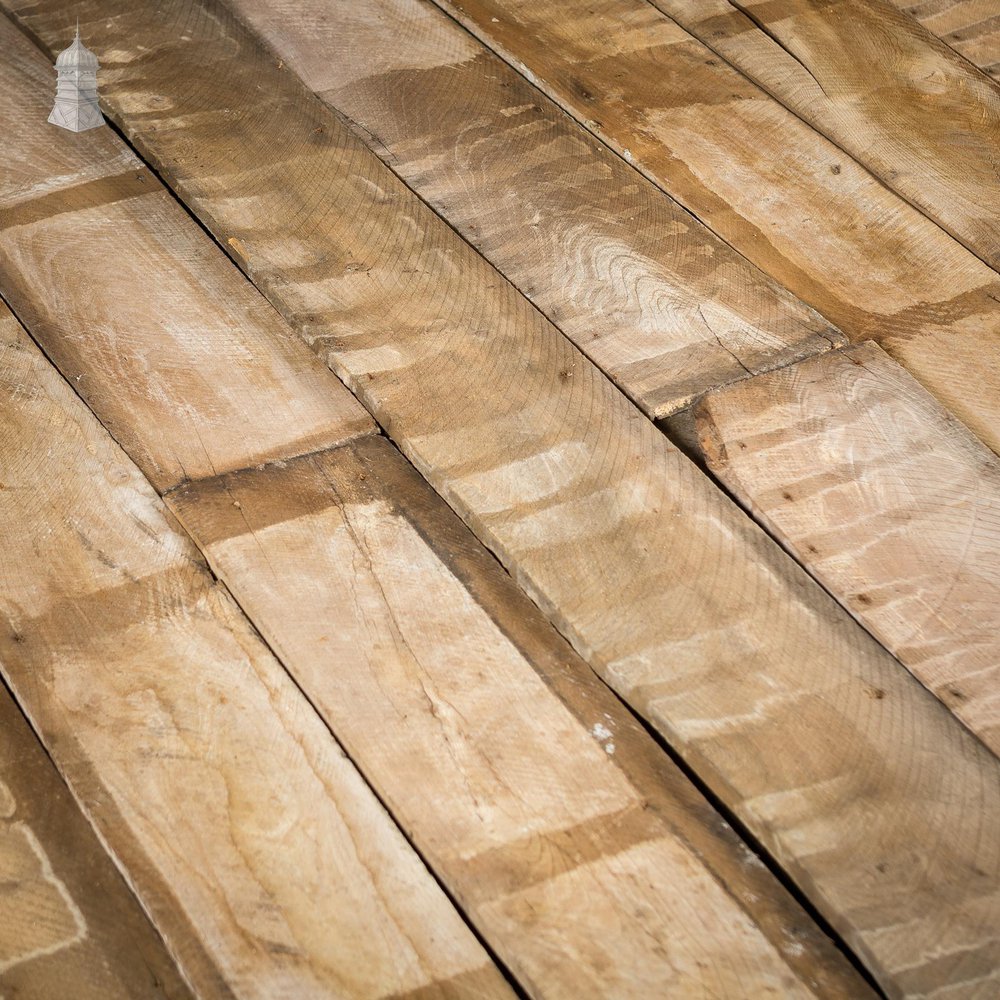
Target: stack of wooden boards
[[334, 747]]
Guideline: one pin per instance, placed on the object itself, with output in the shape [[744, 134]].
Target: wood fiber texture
[[888, 500], [971, 27], [862, 785], [653, 298], [770, 185], [69, 927], [881, 87], [579, 851], [187, 365], [266, 863]]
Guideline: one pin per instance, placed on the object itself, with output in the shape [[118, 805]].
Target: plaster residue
[[49, 918], [331, 47], [527, 480]]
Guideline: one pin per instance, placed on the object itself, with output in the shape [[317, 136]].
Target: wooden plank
[[814, 736], [881, 87], [771, 186], [971, 27], [887, 500], [267, 864], [69, 927], [653, 298], [551, 816], [181, 358]]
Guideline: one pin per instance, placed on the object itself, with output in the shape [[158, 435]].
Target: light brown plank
[[889, 501], [580, 852], [767, 183], [809, 731], [183, 360], [262, 857], [971, 27], [654, 299], [69, 927], [880, 86]]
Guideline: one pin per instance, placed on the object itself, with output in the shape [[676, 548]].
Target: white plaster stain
[[65, 928], [8, 805]]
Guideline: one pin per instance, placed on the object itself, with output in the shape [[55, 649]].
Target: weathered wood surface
[[184, 361], [658, 302], [971, 27], [815, 737], [889, 501], [885, 90], [69, 927], [566, 835], [770, 185], [267, 864]]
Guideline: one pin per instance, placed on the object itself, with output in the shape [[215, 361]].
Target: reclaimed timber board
[[770, 185], [765, 970], [580, 852], [263, 859], [888, 500], [653, 298], [971, 27], [757, 967], [882, 88], [181, 358], [827, 750], [69, 927]]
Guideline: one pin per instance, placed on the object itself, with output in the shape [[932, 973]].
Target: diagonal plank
[[576, 847], [971, 27], [655, 300], [664, 944], [743, 956], [771, 186], [890, 502], [184, 362], [816, 738], [262, 857], [880, 86], [69, 927]]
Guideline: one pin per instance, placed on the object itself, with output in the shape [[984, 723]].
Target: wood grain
[[766, 182], [881, 87], [971, 27], [815, 737], [654, 299], [552, 818], [181, 358], [889, 501], [267, 864], [69, 927]]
